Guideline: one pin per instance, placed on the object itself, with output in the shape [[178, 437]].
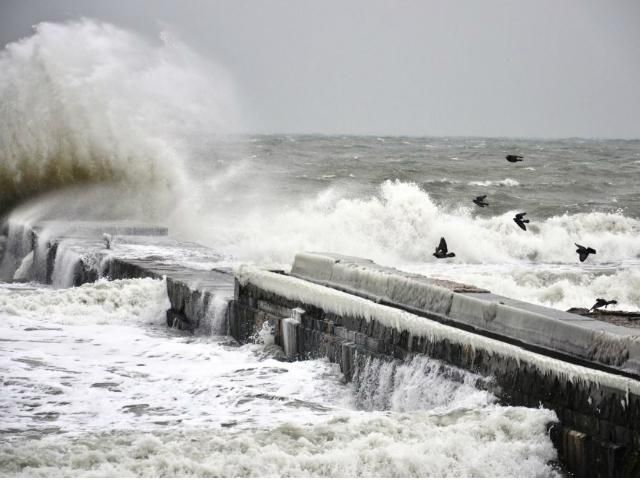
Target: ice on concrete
[[344, 304], [520, 321]]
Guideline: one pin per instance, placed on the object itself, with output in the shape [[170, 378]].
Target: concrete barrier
[[558, 333], [354, 309]]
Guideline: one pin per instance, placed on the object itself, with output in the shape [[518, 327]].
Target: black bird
[[520, 221], [513, 158], [480, 201], [584, 252], [442, 250], [601, 302]]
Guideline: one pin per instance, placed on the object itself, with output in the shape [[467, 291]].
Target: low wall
[[553, 332], [598, 433]]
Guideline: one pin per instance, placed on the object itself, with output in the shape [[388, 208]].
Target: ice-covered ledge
[[522, 323]]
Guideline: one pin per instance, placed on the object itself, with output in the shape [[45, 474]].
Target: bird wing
[[482, 197], [442, 246], [583, 256], [591, 250]]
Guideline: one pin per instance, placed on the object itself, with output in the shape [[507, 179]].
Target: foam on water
[[118, 301], [507, 182], [100, 357], [95, 384], [491, 441], [401, 223]]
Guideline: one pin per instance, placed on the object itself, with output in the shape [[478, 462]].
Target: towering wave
[[86, 102]]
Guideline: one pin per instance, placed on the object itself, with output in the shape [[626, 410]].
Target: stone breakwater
[[68, 255], [351, 310]]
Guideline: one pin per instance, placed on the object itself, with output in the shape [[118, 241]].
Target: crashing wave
[[86, 102]]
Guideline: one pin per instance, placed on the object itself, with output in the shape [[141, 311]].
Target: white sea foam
[[401, 224], [507, 182], [100, 357], [118, 301], [95, 384], [492, 441]]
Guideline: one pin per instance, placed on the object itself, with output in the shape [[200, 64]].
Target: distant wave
[[86, 102], [441, 181], [400, 223], [507, 182]]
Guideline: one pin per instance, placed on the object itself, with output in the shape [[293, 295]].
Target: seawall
[[67, 255], [350, 309]]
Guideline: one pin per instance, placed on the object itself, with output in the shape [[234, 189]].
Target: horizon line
[[396, 135]]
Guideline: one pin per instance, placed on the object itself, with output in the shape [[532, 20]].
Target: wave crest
[[507, 182], [86, 102], [401, 224]]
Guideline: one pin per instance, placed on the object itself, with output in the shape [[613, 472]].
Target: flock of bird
[[442, 251]]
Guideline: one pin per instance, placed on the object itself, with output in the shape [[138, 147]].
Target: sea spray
[[88, 103], [401, 224]]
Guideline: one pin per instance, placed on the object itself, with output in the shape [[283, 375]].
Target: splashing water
[[114, 108]]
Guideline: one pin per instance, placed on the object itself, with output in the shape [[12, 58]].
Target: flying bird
[[480, 201], [601, 302], [584, 252], [520, 221], [442, 251], [513, 158]]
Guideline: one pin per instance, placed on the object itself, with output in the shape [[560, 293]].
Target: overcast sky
[[479, 68]]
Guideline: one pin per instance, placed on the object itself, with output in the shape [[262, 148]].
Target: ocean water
[[95, 384], [391, 199]]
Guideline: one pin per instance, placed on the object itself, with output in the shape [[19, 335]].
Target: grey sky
[[487, 68]]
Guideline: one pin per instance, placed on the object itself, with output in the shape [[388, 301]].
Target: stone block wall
[[598, 433]]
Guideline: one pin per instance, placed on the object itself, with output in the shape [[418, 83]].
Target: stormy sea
[[122, 128]]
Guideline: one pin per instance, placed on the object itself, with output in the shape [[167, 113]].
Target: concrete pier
[[350, 309], [583, 369]]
